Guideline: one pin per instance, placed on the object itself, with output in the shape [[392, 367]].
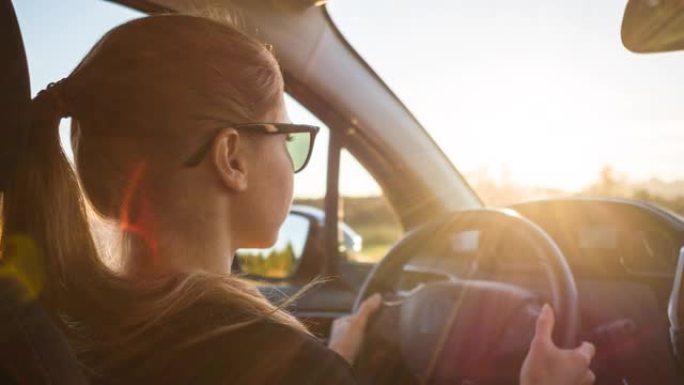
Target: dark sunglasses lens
[[298, 145]]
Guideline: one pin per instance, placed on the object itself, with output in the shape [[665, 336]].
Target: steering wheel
[[463, 329]]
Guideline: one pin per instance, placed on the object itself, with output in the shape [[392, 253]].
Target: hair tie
[[52, 94]]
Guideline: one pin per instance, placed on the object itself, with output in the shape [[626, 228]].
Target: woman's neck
[[160, 250], [180, 225]]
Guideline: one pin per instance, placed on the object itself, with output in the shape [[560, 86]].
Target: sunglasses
[[299, 142]]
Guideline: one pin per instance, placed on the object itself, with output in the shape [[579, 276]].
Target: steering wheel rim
[[564, 297]]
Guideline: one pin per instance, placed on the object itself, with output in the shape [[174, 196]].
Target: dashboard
[[600, 238], [611, 238]]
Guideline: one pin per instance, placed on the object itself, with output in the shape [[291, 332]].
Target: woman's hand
[[546, 364], [347, 332]]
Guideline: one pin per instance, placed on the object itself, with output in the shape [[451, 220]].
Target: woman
[[170, 142]]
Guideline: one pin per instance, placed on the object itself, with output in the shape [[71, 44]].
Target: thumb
[[545, 322], [369, 306], [587, 351]]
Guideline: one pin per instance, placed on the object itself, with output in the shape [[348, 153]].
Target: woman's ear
[[229, 159]]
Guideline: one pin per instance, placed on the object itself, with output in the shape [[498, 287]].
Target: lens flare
[[137, 217], [24, 262]]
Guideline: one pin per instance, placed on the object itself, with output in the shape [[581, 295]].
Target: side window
[[369, 226]]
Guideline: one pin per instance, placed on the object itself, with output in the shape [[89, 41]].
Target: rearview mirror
[[653, 26], [282, 259]]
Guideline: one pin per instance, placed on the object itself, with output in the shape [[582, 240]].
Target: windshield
[[531, 99]]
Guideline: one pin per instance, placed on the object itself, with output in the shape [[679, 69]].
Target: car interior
[[464, 282]]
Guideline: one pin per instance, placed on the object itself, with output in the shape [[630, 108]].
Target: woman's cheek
[[281, 183]]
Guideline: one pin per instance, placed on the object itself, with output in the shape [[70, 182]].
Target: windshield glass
[[531, 99]]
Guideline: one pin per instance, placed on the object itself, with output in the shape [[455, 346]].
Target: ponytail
[[44, 223]]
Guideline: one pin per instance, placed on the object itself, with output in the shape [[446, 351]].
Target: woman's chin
[[264, 243]]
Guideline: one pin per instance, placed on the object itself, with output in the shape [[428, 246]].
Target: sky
[[539, 92]]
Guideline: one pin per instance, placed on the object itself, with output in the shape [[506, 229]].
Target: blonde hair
[[170, 77]]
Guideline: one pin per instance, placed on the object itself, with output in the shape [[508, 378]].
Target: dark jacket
[[262, 352]]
